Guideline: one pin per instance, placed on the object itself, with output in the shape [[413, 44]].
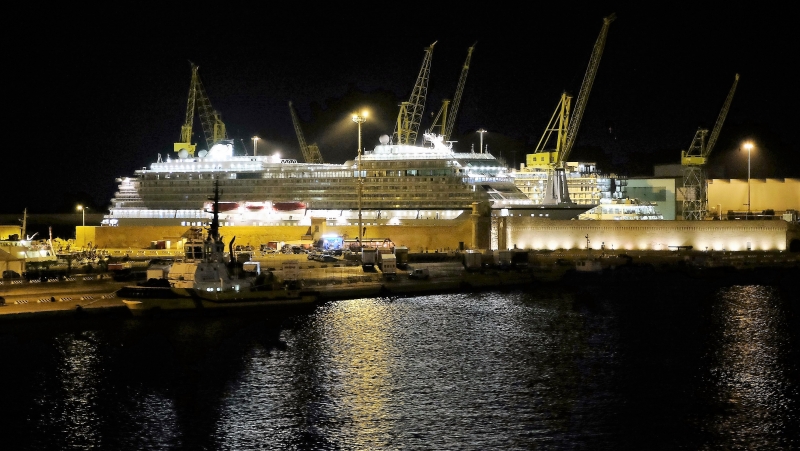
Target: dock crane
[[695, 185], [310, 152], [213, 127], [448, 121], [566, 128], [407, 127]]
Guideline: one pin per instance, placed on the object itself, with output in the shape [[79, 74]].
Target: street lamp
[[83, 209], [83, 214], [360, 119], [481, 131], [255, 145], [749, 146]]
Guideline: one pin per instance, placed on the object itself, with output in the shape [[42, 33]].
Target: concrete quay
[[98, 296], [95, 294]]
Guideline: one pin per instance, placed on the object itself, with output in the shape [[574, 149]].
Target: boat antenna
[[213, 233]]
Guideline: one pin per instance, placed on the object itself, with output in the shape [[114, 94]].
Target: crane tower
[[695, 185], [310, 152], [408, 119], [565, 125], [213, 127]]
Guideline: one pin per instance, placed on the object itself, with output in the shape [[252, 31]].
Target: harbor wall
[[476, 233], [773, 235], [418, 238]]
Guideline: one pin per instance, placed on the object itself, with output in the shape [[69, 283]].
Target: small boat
[[203, 281], [589, 266]]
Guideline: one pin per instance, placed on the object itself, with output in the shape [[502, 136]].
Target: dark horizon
[[104, 109]]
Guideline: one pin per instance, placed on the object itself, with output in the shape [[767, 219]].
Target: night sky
[[100, 96]]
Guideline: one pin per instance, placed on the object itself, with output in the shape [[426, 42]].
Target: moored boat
[[203, 281]]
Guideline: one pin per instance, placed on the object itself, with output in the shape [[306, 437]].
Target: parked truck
[[502, 258], [369, 257], [388, 265], [473, 260], [401, 252]]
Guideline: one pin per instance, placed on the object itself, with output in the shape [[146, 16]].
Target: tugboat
[[204, 281]]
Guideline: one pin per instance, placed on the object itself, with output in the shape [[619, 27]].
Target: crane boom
[[586, 87], [408, 119], [310, 152], [721, 118], [451, 119], [213, 127], [442, 114]]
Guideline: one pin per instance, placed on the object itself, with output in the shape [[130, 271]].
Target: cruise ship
[[392, 184]]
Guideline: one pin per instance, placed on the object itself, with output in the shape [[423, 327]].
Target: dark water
[[629, 367]]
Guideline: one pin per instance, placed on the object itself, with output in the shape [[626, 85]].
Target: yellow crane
[[213, 127], [448, 121], [565, 126], [407, 127], [695, 185], [310, 152]]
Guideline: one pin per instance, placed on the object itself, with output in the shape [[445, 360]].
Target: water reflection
[[554, 368], [750, 383], [80, 376]]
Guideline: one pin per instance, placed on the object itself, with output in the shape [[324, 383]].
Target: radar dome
[[183, 153], [384, 139], [202, 153]]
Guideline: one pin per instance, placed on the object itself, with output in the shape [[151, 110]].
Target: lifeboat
[[254, 206], [223, 206], [288, 206]]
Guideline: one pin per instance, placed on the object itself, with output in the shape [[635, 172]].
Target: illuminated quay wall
[[647, 235], [507, 232], [418, 238]]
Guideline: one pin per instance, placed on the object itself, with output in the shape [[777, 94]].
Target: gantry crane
[[310, 152], [566, 126], [448, 121], [695, 185], [407, 127], [213, 127]]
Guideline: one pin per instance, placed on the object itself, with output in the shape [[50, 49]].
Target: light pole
[[255, 145], [83, 209], [83, 222], [481, 131], [749, 147], [359, 119]]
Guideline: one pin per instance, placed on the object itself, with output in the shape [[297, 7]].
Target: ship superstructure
[[401, 183], [585, 184]]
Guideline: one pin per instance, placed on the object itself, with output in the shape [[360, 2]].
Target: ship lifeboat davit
[[288, 206]]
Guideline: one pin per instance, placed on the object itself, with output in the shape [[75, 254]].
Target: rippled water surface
[[622, 367]]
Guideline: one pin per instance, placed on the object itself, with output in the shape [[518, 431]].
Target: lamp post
[[255, 145], [359, 119], [83, 222], [83, 209], [481, 131], [749, 147]]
